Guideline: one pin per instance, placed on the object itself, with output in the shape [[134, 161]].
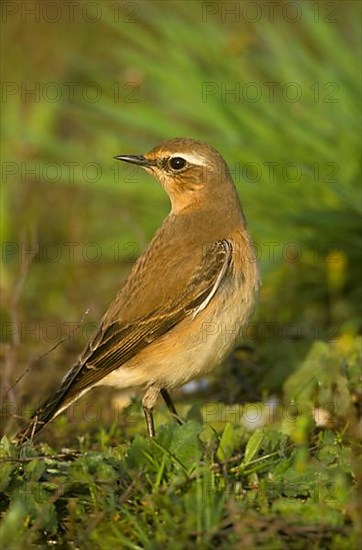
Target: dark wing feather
[[114, 344]]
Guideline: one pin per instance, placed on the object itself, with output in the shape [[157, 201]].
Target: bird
[[184, 304]]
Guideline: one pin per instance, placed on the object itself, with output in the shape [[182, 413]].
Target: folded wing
[[115, 343]]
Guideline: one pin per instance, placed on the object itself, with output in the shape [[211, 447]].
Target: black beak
[[135, 159]]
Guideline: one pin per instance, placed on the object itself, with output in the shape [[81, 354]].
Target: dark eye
[[177, 163]]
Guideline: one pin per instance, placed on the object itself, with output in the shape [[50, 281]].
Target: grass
[[268, 455], [204, 485], [277, 475]]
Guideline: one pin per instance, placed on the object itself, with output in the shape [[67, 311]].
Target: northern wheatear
[[182, 306]]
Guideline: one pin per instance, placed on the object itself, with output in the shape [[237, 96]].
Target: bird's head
[[192, 173]]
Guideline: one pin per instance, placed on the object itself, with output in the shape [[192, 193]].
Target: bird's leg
[[171, 407], [148, 402], [149, 421]]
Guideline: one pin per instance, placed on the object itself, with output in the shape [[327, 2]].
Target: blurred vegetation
[[280, 99]]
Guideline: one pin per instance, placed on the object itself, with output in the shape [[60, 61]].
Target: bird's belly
[[192, 348]]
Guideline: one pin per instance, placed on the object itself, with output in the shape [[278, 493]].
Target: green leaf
[[230, 440], [253, 446]]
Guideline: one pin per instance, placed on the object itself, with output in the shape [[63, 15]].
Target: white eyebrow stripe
[[191, 158]]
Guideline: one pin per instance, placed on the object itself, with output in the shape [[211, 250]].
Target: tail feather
[[47, 411], [42, 416]]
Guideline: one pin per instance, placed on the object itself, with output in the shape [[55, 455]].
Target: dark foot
[[171, 406]]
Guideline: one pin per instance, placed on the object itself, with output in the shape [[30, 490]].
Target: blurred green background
[[275, 88]]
